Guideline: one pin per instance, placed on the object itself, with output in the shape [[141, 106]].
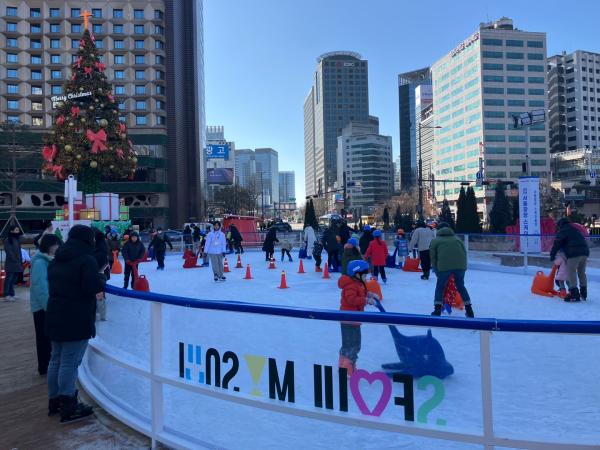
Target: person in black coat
[[13, 262], [332, 246], [133, 251], [113, 245], [572, 242], [269, 243], [237, 239], [159, 243], [74, 282]]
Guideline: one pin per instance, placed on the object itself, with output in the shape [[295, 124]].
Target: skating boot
[[71, 409], [437, 311], [573, 295], [562, 293], [53, 406], [469, 311], [424, 277], [345, 363], [583, 293]]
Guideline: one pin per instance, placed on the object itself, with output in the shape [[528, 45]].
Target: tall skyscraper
[[287, 186], [407, 84], [267, 172], [339, 95], [496, 73], [154, 57], [366, 159], [574, 101], [245, 168]]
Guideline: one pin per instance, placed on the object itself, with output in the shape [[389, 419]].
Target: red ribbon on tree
[[111, 97], [79, 61], [73, 76], [100, 66], [58, 172], [49, 153], [98, 140], [120, 153], [60, 120], [75, 111], [87, 70], [122, 127]]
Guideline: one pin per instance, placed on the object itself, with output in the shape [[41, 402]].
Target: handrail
[[481, 324]]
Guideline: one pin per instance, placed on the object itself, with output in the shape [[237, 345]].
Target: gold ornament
[[71, 124], [99, 90], [93, 164], [115, 111], [68, 147], [96, 100], [111, 167], [103, 122], [82, 119], [81, 47], [78, 156], [91, 108], [134, 159], [81, 88], [62, 138], [101, 105], [53, 132], [123, 136]]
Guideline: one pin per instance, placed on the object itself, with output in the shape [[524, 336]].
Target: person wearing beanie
[[133, 251], [13, 262], [421, 239], [74, 282], [351, 253], [48, 229], [401, 246], [113, 245], [449, 257], [377, 252], [159, 244]]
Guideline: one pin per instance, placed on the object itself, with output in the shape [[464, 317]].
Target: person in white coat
[[309, 240], [216, 247], [421, 239]]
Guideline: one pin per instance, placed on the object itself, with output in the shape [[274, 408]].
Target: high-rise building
[[365, 159], [154, 57], [495, 74], [339, 95], [245, 169], [574, 101], [287, 186], [407, 85], [267, 173], [425, 147]]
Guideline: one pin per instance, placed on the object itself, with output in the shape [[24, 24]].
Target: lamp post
[[526, 120], [421, 126]]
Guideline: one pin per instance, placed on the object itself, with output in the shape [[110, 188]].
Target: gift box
[[76, 210], [59, 214], [124, 216], [106, 203], [89, 214], [124, 209]]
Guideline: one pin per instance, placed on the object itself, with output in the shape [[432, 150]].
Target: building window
[[536, 56], [12, 88], [122, 119], [75, 28], [514, 55], [140, 105], [537, 92], [36, 106], [139, 44], [97, 13], [12, 58], [119, 43], [493, 102], [160, 104], [516, 102], [539, 80], [97, 28], [11, 11], [121, 106], [118, 28], [515, 79], [159, 59], [119, 74], [138, 14], [75, 12], [117, 13], [100, 44], [493, 78], [54, 43], [160, 120], [74, 43], [515, 91], [35, 12], [138, 29], [514, 43], [535, 68], [36, 90], [54, 12], [56, 74], [140, 120], [494, 126], [11, 26], [34, 28], [140, 89], [12, 73], [515, 67], [535, 44], [120, 89], [119, 59], [140, 74], [36, 59], [35, 43], [491, 41], [140, 59], [493, 90], [494, 114], [11, 43], [489, 54], [159, 45], [160, 90], [54, 28], [537, 103], [12, 104], [492, 66], [159, 30], [37, 121], [158, 14]]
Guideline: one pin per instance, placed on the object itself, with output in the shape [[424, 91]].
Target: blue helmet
[[353, 242], [367, 228], [357, 266], [377, 233]]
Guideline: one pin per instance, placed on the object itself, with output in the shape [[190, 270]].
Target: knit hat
[[377, 233], [82, 233], [353, 242]]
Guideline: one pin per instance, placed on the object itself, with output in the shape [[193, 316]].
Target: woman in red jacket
[[378, 252], [354, 298]]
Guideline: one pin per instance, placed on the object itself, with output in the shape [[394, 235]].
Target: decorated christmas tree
[[87, 139]]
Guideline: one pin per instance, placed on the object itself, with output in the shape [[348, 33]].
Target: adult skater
[[378, 253], [216, 247], [351, 253], [449, 257], [332, 247], [421, 240], [269, 243], [38, 296], [309, 240], [75, 280], [113, 245], [572, 242], [101, 255], [48, 229], [159, 244], [236, 238], [13, 262], [365, 239], [133, 251]]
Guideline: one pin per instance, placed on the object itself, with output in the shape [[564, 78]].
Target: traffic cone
[[116, 267], [239, 263], [326, 272], [283, 284], [272, 264], [301, 268], [226, 266], [248, 274]]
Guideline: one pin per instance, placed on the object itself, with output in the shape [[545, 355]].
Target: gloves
[[372, 297]]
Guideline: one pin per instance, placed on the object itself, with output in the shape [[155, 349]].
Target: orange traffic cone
[[301, 268], [248, 274], [116, 267], [326, 272], [239, 263], [272, 264], [283, 284], [226, 266], [544, 285]]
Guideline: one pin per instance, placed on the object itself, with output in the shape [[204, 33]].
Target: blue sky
[[260, 55]]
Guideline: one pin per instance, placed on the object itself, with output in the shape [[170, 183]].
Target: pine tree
[[310, 217], [87, 139], [473, 224], [386, 218], [446, 214], [461, 211], [500, 215], [397, 217]]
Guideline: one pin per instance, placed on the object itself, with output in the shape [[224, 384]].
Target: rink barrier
[[159, 432]]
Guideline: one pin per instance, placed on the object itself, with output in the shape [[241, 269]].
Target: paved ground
[[24, 424]]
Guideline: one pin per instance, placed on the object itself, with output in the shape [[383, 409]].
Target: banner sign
[[80, 96], [217, 152], [219, 176], [529, 214]]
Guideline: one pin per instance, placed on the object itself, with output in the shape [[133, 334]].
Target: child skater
[[317, 250], [401, 245], [562, 274], [286, 247], [354, 298]]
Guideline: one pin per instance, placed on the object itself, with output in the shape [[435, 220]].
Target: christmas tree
[[446, 214], [461, 220], [87, 139], [500, 215]]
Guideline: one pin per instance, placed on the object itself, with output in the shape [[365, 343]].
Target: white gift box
[[106, 203]]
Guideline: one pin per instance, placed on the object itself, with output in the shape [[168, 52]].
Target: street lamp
[[526, 120], [421, 126]]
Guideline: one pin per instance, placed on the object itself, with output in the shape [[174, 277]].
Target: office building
[[267, 174], [219, 160], [245, 169], [339, 95], [287, 186], [495, 74], [407, 85], [154, 57], [425, 148], [574, 101], [365, 163]]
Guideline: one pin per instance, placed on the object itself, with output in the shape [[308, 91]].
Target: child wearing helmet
[[354, 298], [401, 245], [378, 252]]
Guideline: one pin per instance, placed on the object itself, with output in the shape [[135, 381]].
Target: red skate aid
[[544, 285]]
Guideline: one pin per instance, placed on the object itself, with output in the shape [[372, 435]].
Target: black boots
[[71, 409], [53, 406], [437, 311], [469, 311], [583, 292], [573, 295]]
